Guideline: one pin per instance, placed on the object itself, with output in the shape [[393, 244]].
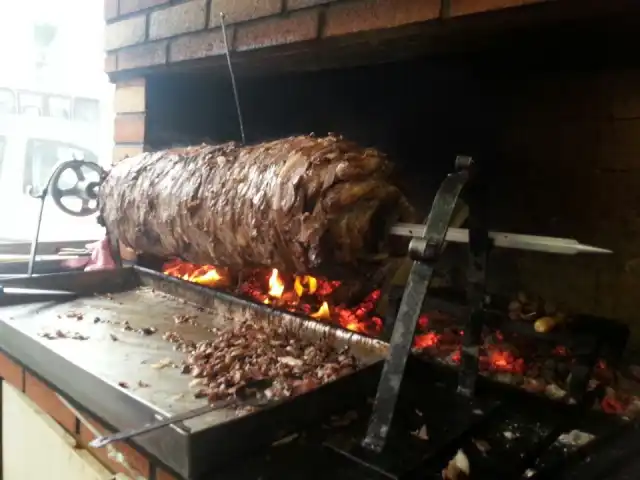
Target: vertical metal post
[[425, 253], [479, 246]]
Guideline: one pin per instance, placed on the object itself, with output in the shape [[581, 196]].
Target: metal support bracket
[[479, 248], [425, 252]]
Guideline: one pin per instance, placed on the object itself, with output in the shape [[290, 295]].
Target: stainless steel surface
[[536, 243], [44, 248], [126, 378], [103, 441], [34, 291]]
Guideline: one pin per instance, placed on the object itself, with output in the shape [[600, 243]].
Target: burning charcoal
[[458, 468], [482, 446], [123, 384], [546, 324], [575, 438], [554, 392], [285, 440], [421, 433]]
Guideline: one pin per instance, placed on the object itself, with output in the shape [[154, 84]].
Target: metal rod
[[563, 246], [236, 96], [99, 442], [36, 237]]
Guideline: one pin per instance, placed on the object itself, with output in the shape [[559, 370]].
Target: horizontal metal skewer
[[535, 243]]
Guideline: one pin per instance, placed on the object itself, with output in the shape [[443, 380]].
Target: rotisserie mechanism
[[314, 205]]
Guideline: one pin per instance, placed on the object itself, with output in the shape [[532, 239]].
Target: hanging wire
[[233, 77]]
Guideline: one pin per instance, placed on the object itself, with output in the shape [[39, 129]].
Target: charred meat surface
[[301, 204], [254, 351]]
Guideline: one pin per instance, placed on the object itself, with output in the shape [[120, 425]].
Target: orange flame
[[323, 313], [307, 293], [276, 285]]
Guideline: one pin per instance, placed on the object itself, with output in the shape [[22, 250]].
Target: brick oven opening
[[554, 139]]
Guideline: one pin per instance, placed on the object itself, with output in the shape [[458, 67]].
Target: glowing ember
[[296, 293], [276, 286], [426, 340], [203, 275]]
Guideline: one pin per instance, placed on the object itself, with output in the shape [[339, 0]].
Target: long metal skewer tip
[[536, 243]]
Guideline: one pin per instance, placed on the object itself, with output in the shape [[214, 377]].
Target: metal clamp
[[425, 252]]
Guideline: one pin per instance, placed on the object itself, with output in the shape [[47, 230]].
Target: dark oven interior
[[553, 138]]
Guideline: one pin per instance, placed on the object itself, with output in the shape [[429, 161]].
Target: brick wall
[[571, 167], [150, 33]]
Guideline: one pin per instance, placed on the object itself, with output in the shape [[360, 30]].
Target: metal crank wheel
[[83, 189]]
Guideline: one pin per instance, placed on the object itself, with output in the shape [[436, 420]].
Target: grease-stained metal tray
[[90, 372]]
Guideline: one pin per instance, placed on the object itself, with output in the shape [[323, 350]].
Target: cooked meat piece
[[301, 204], [254, 351]]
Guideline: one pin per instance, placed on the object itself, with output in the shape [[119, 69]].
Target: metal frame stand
[[425, 253], [380, 448]]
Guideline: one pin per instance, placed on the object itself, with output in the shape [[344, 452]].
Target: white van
[[31, 145]]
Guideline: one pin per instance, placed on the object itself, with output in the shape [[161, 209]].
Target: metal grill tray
[[87, 372]]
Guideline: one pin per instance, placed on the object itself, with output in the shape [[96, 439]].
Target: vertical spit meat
[[301, 204]]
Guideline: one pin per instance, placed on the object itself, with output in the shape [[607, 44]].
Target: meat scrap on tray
[[253, 351]]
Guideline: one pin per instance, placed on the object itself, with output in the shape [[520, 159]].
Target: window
[[86, 110], [3, 142], [44, 155], [59, 107], [7, 101], [30, 103]]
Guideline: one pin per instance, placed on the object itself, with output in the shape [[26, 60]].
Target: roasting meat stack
[[302, 205]]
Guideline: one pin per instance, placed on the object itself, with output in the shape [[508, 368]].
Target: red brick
[[129, 98], [110, 62], [183, 18], [130, 6], [199, 45], [110, 9], [135, 459], [10, 372], [296, 27], [296, 4], [120, 152], [352, 17], [129, 128], [142, 56], [242, 10], [125, 33], [48, 401], [467, 7]]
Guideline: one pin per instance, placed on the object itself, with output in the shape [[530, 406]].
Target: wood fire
[[303, 294]]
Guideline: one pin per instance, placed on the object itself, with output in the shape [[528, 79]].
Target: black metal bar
[[479, 246], [425, 252]]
